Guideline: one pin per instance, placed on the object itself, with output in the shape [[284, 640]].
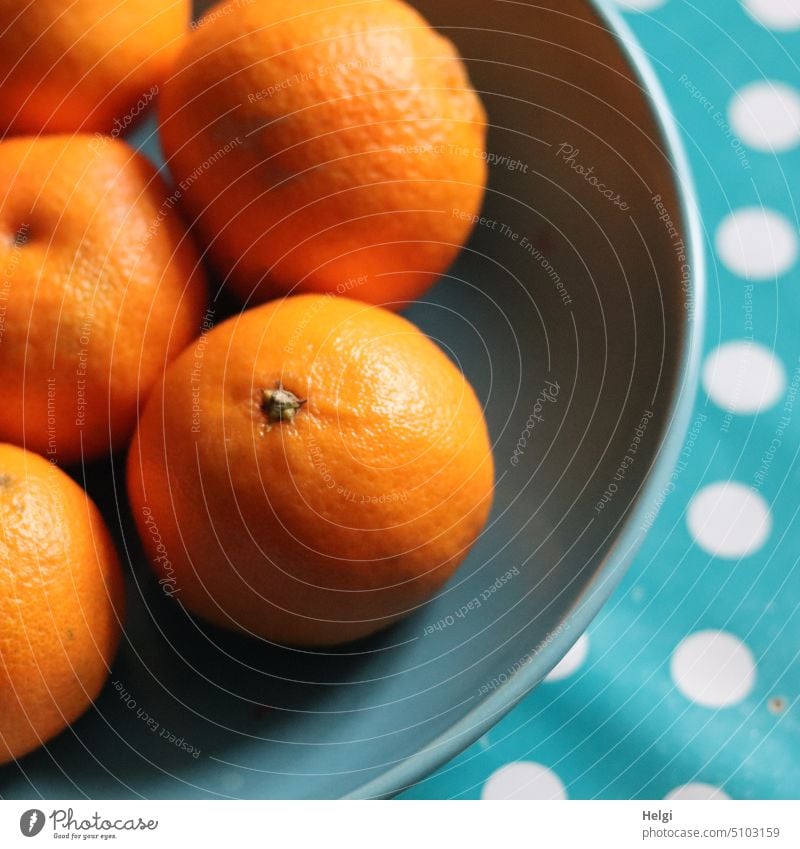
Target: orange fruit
[[61, 601], [312, 471], [99, 288], [85, 64], [325, 146]]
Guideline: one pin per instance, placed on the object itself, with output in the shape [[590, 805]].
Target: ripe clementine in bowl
[[100, 288], [61, 601], [315, 469], [84, 65], [325, 146]]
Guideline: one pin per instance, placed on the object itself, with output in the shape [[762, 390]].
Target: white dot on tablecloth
[[523, 780], [766, 115], [640, 5], [757, 243], [698, 791], [744, 377], [713, 669], [777, 14], [729, 519], [572, 660]]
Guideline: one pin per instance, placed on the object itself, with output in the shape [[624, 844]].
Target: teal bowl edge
[[483, 717]]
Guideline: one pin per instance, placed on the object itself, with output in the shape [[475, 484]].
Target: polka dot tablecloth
[[687, 684]]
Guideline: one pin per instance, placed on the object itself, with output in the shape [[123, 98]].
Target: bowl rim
[[485, 715]]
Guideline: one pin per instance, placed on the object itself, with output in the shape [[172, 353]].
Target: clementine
[[310, 472], [325, 146], [61, 601], [84, 65], [99, 288]]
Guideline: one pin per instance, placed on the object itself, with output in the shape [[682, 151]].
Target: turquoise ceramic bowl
[[575, 311]]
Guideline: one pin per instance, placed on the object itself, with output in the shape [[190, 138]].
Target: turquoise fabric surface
[[687, 683]]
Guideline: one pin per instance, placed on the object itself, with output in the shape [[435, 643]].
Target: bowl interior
[[567, 311]]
